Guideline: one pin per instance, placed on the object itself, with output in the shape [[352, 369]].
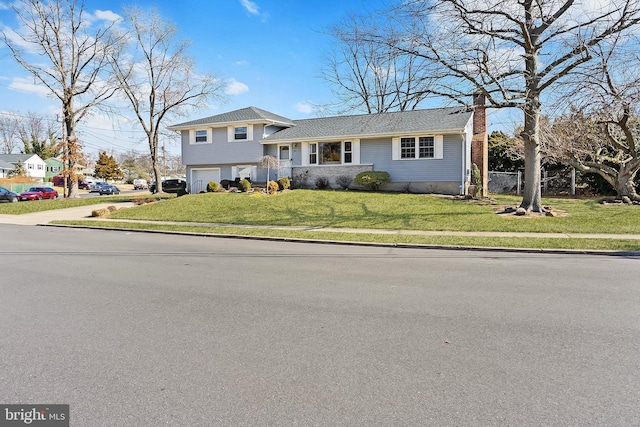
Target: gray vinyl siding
[[378, 153], [219, 151]]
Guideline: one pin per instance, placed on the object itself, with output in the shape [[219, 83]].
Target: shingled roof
[[14, 158], [244, 115], [438, 120]]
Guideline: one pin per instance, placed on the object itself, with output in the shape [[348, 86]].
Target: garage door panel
[[201, 177]]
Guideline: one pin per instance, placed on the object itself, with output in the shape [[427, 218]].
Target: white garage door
[[201, 177]]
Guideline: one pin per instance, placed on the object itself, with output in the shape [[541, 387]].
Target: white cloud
[[305, 108], [235, 87], [26, 85], [3, 6], [107, 15], [250, 7]]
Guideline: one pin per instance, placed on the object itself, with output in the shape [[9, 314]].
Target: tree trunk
[[153, 148], [531, 200], [625, 186], [72, 148]]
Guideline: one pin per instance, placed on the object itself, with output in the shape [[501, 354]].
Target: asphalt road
[[134, 329]]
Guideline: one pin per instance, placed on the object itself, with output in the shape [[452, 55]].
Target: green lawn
[[48, 205], [368, 210], [348, 209], [395, 239]]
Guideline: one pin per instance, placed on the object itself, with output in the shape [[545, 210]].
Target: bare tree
[[372, 77], [57, 44], [515, 53], [9, 132], [268, 162], [158, 77], [602, 142], [39, 136]]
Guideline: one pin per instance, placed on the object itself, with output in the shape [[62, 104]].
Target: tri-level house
[[424, 151]]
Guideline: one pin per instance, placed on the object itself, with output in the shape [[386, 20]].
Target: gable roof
[[13, 158], [244, 115], [437, 120], [6, 166]]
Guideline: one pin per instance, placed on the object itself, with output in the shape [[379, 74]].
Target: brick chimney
[[480, 140]]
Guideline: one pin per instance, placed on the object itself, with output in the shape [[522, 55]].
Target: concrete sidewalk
[[45, 217], [84, 213]]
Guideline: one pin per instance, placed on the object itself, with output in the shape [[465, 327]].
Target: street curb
[[366, 244]]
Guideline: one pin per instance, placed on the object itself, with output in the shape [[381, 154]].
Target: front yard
[[227, 213], [349, 209]]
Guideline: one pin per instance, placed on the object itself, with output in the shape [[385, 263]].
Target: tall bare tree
[[516, 53], [65, 50], [372, 77], [9, 132], [39, 136], [158, 77]]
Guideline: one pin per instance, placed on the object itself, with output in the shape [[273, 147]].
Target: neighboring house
[[5, 168], [424, 151], [32, 163], [55, 166]]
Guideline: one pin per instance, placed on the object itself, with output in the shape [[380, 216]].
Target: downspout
[[461, 187]]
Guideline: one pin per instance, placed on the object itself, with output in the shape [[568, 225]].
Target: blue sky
[[270, 50]]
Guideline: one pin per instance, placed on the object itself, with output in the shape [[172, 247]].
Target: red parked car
[[58, 181], [38, 193]]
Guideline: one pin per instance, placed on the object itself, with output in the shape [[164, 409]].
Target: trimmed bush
[[100, 213], [244, 185], [373, 180], [322, 182], [284, 183], [344, 181], [212, 187], [272, 187]]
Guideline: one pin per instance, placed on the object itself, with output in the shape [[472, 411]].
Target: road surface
[[135, 329]]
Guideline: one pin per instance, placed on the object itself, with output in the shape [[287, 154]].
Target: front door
[[284, 158]]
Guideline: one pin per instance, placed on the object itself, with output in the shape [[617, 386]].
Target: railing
[[197, 186], [285, 169]]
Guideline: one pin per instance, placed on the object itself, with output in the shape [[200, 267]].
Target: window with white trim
[[201, 137], [240, 133], [426, 147], [348, 152], [418, 147], [313, 154], [407, 148], [330, 153]]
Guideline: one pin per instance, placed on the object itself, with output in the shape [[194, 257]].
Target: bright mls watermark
[[34, 415]]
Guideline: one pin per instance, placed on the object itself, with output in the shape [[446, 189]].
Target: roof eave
[[363, 136], [229, 123]]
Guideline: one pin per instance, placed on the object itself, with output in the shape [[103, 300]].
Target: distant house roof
[[6, 166], [438, 120], [14, 158], [53, 161], [244, 115]]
